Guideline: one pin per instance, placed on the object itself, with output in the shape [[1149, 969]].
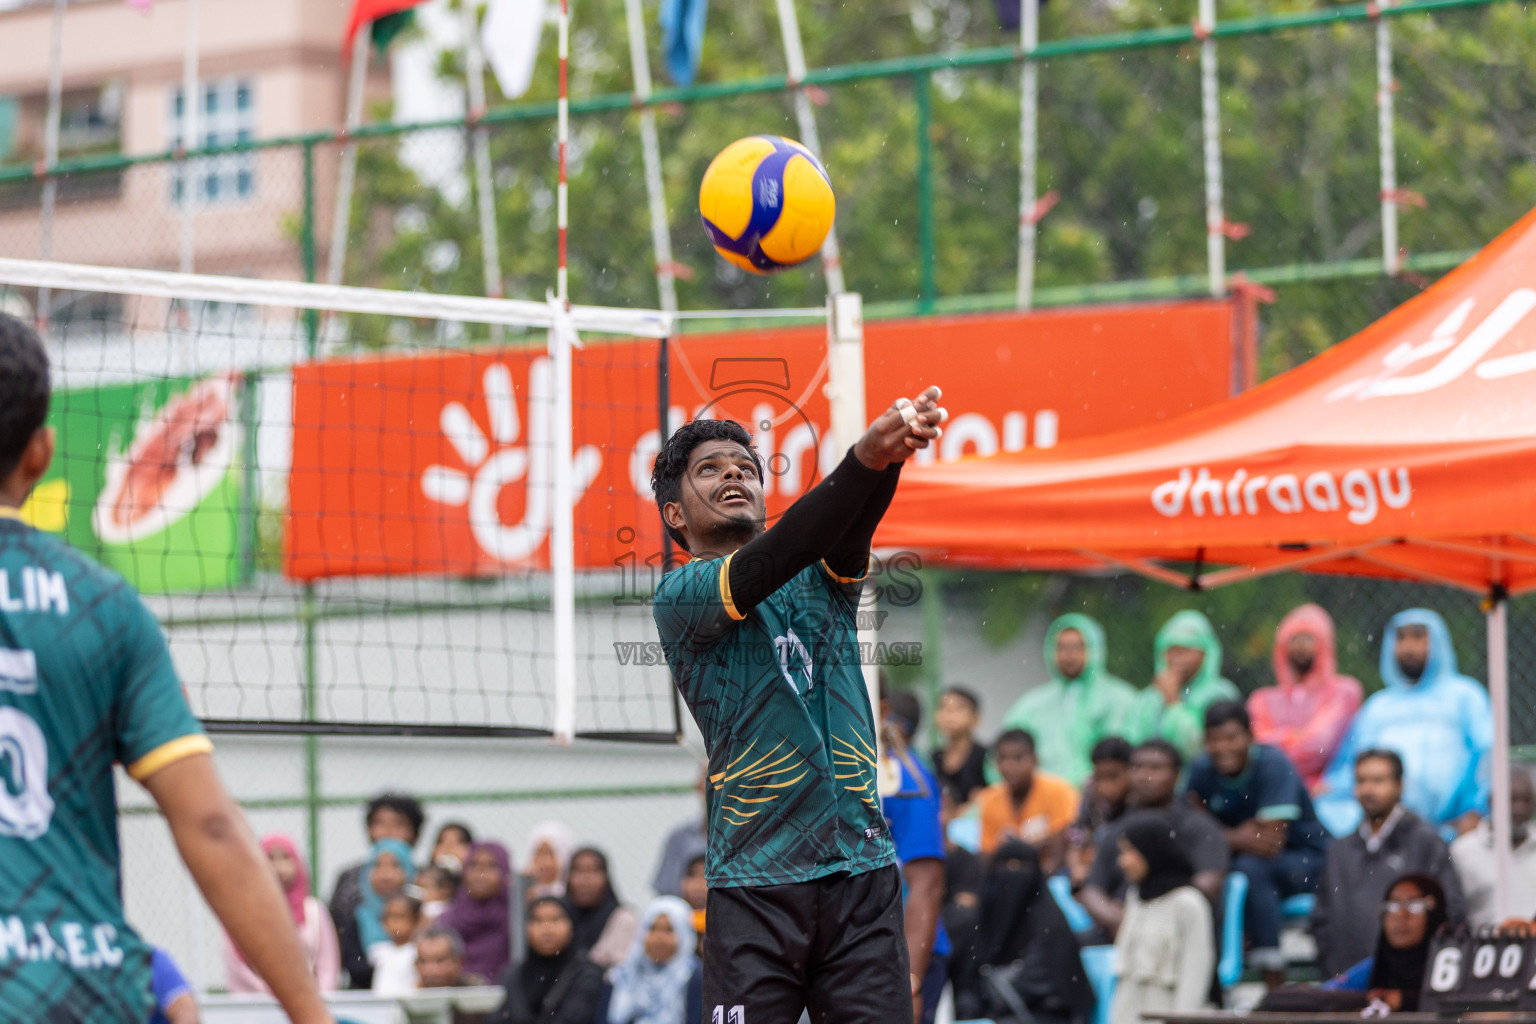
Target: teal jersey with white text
[[86, 680]]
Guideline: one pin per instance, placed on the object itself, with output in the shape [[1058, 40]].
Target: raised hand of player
[[905, 427]]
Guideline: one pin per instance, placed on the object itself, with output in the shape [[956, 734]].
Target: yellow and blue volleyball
[[767, 203]]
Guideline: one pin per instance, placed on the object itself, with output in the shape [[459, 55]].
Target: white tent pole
[[562, 533], [474, 80], [51, 149], [650, 149], [1498, 692], [348, 172], [794, 58], [1210, 110], [1029, 144], [1390, 258], [191, 139]]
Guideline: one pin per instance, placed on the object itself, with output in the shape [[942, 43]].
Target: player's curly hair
[[23, 390], [672, 461]]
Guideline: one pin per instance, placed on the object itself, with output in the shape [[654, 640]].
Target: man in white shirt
[[1473, 856]]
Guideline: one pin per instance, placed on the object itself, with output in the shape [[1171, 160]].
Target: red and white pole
[[562, 139]]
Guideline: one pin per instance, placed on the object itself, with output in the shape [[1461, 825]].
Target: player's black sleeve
[[806, 532], [850, 555]]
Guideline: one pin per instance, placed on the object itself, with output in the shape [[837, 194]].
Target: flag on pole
[[388, 18], [682, 38], [510, 40]]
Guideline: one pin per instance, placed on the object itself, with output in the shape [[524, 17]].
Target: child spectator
[[451, 847], [1165, 951], [554, 984], [662, 981], [604, 928], [388, 816], [317, 933], [389, 871], [394, 962], [481, 913], [1027, 804], [696, 894], [961, 767], [437, 887], [550, 847]]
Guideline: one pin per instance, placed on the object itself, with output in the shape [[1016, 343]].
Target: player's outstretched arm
[[814, 526], [235, 878]]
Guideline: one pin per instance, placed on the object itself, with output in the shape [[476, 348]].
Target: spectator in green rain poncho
[[1081, 705], [1187, 656]]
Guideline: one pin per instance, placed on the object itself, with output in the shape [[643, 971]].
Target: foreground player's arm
[[237, 881]]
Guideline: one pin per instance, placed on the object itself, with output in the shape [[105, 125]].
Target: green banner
[[147, 479]]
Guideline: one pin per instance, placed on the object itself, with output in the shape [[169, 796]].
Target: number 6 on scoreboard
[[1445, 972]]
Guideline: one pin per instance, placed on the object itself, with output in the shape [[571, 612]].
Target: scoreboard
[[1479, 970]]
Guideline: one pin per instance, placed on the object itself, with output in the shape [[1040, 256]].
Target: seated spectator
[[1359, 868], [175, 1002], [437, 887], [389, 871], [662, 980], [963, 882], [550, 846], [481, 913], [451, 847], [440, 960], [1267, 820], [1437, 719], [317, 933], [696, 894], [1105, 801], [1165, 953], [604, 927], [554, 984], [1028, 956], [1027, 804], [394, 962], [683, 843], [1310, 707], [961, 765], [388, 816], [1155, 767], [1188, 679], [1410, 916], [1081, 705], [1473, 857]]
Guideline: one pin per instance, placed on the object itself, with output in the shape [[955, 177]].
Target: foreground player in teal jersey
[[760, 631], [86, 680]]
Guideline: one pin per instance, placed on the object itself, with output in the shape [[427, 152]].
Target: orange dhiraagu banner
[[441, 463]]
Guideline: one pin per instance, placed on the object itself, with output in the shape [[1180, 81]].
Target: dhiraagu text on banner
[[147, 478]]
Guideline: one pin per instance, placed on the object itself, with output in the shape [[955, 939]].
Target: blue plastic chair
[[1298, 908], [966, 833], [1229, 969], [1099, 965], [1077, 917]]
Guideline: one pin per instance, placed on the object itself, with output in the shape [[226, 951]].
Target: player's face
[[483, 876], [1071, 653], [722, 496], [1132, 864], [955, 717], [1405, 916], [387, 876], [388, 823], [549, 930], [1376, 787], [1228, 745], [588, 880], [1153, 778], [283, 866], [1111, 781], [436, 964], [1016, 764], [695, 890], [661, 941]]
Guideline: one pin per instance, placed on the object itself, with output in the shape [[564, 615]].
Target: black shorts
[[835, 947]]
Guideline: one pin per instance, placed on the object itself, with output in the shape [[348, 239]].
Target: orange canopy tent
[[1407, 451]]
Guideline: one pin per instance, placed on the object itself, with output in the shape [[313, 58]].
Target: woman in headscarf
[[1026, 951], [550, 847], [481, 912], [1412, 913], [317, 933], [604, 928], [662, 981], [554, 984], [388, 871], [1165, 951]]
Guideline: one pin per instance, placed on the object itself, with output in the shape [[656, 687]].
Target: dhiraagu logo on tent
[[147, 478]]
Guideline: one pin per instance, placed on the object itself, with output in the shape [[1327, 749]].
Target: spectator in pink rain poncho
[[1309, 712]]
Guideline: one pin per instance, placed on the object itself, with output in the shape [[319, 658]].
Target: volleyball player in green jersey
[[759, 629], [86, 680]]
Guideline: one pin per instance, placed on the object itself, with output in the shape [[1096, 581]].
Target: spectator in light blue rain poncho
[[1437, 720]]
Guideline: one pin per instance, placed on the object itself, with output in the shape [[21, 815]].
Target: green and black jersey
[[86, 680], [778, 694]]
